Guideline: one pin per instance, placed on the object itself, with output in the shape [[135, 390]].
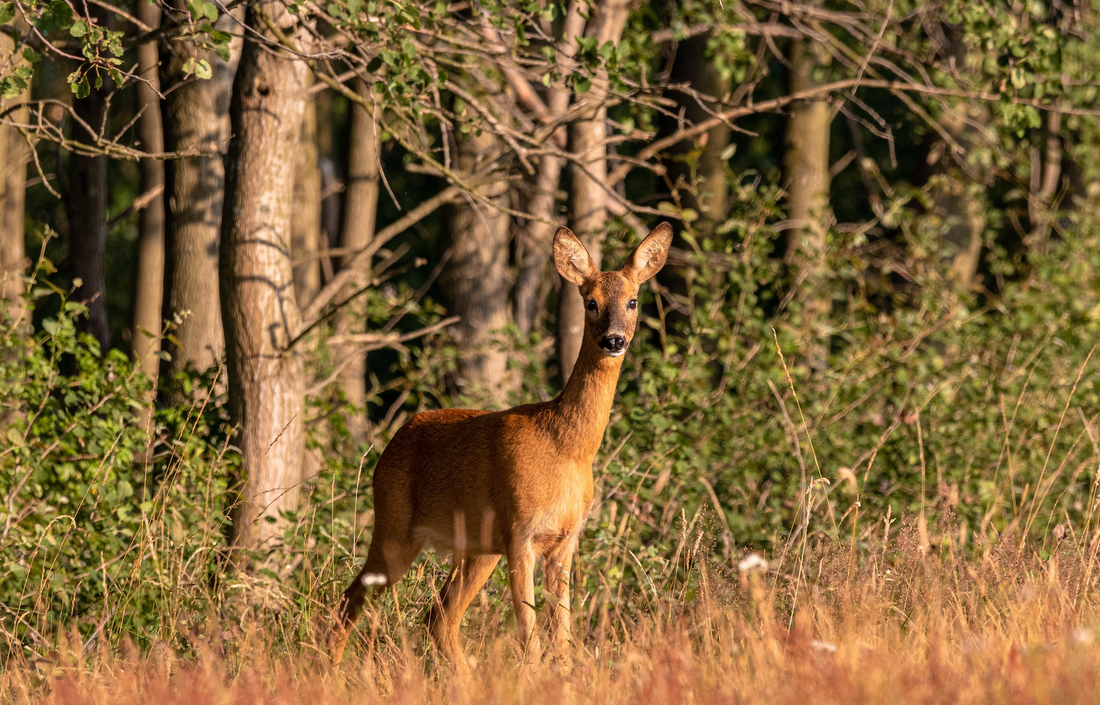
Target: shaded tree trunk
[[475, 280], [708, 188], [149, 294], [305, 217], [1046, 177], [360, 214], [260, 314], [588, 194], [958, 215], [699, 174], [543, 200], [87, 206], [14, 156], [197, 118], [807, 176]]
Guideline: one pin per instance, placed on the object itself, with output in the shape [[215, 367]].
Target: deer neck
[[584, 406]]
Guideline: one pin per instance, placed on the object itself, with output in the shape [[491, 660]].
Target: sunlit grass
[[898, 622]]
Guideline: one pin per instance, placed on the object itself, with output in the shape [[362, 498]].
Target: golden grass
[[898, 624]]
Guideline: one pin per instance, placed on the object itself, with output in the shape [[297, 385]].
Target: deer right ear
[[571, 259], [650, 256]]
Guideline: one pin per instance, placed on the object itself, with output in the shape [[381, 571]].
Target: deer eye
[[632, 304], [591, 305]]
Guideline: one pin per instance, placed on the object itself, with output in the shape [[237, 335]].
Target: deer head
[[611, 298]]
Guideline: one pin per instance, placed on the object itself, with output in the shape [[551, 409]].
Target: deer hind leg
[[557, 574], [521, 576], [387, 562], [445, 617]]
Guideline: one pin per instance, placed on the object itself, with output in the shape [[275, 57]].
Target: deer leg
[[387, 562], [445, 617], [521, 576], [557, 574]]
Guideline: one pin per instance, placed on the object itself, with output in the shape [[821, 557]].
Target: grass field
[[897, 622]]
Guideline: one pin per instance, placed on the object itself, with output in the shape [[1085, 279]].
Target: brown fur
[[515, 483]]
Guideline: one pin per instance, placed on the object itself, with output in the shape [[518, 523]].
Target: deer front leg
[[557, 570], [521, 576]]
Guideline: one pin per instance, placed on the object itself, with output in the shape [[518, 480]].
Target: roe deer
[[515, 482]]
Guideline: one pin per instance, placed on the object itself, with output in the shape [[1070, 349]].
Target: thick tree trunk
[[958, 210], [958, 207], [807, 175], [1046, 177], [257, 289], [305, 217], [197, 118], [698, 172], [708, 188], [544, 192], [542, 204], [87, 207], [149, 294], [14, 155], [588, 195], [475, 280], [360, 214]]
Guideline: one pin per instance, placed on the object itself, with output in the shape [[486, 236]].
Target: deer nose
[[613, 344]]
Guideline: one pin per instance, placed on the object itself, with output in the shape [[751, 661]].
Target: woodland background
[[241, 242]]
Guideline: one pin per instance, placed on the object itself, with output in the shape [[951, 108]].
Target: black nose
[[613, 343]]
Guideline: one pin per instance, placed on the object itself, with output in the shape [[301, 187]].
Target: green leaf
[[7, 12], [202, 69], [79, 28]]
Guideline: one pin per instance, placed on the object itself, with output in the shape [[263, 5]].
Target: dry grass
[[896, 623]]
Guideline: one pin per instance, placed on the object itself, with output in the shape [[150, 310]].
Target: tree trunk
[[87, 206], [197, 119], [807, 175], [360, 213], [543, 200], [588, 195], [305, 217], [149, 295], [14, 155], [958, 211], [258, 308], [698, 172], [475, 280], [1046, 176], [708, 188]]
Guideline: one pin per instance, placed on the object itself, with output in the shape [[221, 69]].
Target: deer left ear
[[650, 256]]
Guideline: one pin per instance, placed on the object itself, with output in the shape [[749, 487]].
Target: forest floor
[[907, 625]]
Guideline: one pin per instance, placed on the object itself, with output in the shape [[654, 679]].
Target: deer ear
[[650, 256], [572, 259]]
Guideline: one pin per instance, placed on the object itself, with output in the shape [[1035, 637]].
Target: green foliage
[[94, 533]]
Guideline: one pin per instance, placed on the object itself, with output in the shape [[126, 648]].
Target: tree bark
[[958, 210], [305, 217], [360, 217], [1046, 176], [257, 290], [87, 206], [197, 118], [708, 188], [588, 195], [149, 294], [475, 281], [807, 175], [14, 155], [542, 204]]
